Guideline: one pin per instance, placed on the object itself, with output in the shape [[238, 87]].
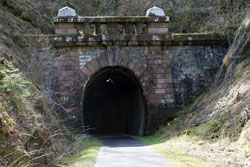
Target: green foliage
[[241, 67], [2, 75], [8, 151], [89, 147], [199, 101], [2, 133], [7, 118], [173, 128], [15, 86], [174, 26]]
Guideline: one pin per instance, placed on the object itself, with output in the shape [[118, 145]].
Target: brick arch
[[140, 71]]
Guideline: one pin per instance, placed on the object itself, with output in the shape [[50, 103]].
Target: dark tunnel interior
[[113, 103]]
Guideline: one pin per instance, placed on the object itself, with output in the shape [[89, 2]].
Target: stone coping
[[112, 19], [134, 40]]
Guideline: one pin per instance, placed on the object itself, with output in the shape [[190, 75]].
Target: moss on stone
[[113, 17], [42, 35], [198, 36]]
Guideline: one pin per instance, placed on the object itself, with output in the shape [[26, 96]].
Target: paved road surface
[[123, 151]]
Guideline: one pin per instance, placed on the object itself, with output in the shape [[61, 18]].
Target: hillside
[[215, 129], [27, 136]]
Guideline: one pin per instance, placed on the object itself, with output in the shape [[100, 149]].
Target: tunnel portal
[[113, 103]]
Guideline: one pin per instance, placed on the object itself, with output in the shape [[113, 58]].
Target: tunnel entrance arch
[[113, 103]]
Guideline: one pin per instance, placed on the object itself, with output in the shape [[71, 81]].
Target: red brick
[[66, 73], [160, 96], [68, 83], [90, 68], [70, 68], [132, 65], [67, 78], [150, 57], [67, 59], [66, 31], [65, 25], [164, 52], [170, 85], [68, 63], [159, 86], [160, 76], [95, 64], [150, 62], [152, 101], [86, 71], [158, 91], [100, 62]]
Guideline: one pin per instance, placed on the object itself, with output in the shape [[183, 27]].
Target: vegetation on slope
[[215, 129], [85, 157], [30, 132], [26, 134]]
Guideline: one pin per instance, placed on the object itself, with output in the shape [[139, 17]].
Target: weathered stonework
[[172, 68], [194, 68], [171, 76], [66, 12], [155, 11]]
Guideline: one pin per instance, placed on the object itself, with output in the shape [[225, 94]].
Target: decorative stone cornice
[[140, 40]]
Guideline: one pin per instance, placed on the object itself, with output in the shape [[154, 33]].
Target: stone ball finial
[[66, 12], [155, 11]]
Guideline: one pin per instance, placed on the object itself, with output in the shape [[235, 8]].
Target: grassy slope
[[25, 119], [215, 129], [216, 133], [85, 157], [30, 132], [27, 136]]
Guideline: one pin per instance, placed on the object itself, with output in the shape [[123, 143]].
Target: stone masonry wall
[[194, 69], [171, 76], [172, 68]]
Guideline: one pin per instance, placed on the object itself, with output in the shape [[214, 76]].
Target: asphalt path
[[125, 151]]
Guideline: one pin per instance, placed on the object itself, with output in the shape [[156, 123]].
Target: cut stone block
[[157, 28], [66, 12], [155, 11]]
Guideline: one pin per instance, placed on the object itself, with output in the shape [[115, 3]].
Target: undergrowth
[[31, 134], [87, 149], [14, 86]]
